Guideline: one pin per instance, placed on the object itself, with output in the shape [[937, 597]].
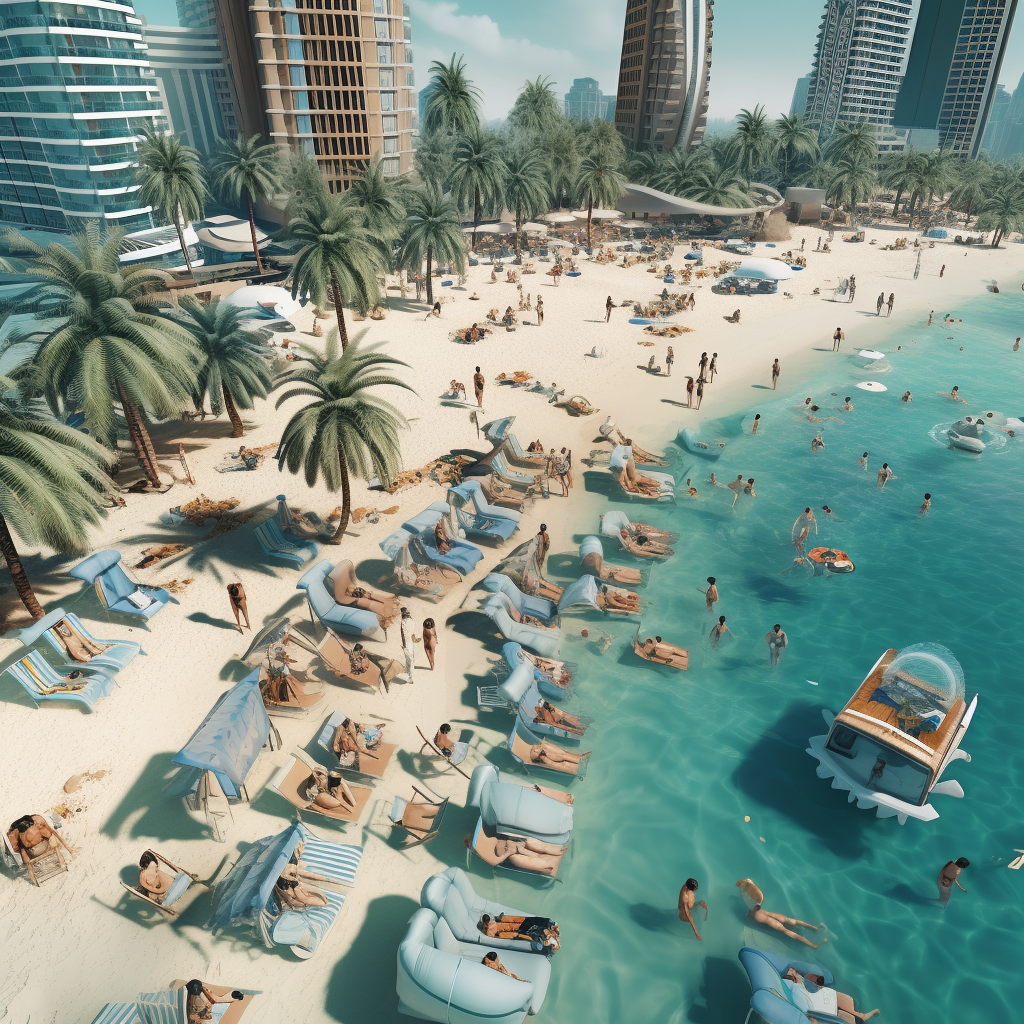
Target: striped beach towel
[[337, 862]]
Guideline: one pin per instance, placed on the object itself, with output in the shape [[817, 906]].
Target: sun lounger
[[462, 556], [616, 524], [500, 466], [553, 677], [43, 683], [65, 633], [677, 657], [299, 703], [336, 655], [593, 561], [39, 869], [586, 590], [182, 882], [519, 742], [291, 782], [526, 708], [171, 1006], [544, 641], [304, 526], [411, 814], [520, 810], [343, 579], [372, 765], [293, 552], [475, 487], [452, 760], [517, 454], [474, 523], [342, 619], [538, 607], [115, 589], [484, 843]]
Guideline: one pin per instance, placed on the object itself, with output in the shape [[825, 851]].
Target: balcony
[[94, 52], [39, 21], [77, 107]]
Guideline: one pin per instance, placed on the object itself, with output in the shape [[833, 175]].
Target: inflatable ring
[[832, 559]]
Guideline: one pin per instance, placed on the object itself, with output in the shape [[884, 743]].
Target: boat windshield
[[877, 766]]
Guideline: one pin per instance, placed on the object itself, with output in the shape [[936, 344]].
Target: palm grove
[[108, 348]]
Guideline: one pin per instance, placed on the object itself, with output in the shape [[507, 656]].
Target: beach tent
[[229, 738], [763, 269]]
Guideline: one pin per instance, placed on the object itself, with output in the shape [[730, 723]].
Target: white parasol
[[559, 218], [597, 214]]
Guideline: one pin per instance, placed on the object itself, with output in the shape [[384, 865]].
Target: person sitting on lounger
[[812, 982], [153, 882], [296, 896], [441, 537], [526, 855], [531, 929], [618, 601], [455, 389], [658, 650], [491, 960], [353, 738], [80, 648], [555, 671], [525, 620], [358, 660], [443, 742], [549, 755], [360, 597], [199, 1002], [631, 480], [32, 838], [329, 791], [637, 537], [548, 714]]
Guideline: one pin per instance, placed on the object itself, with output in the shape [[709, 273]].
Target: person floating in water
[[754, 898], [907, 397], [802, 528], [926, 504], [817, 442], [687, 902], [864, 462], [711, 595], [955, 394]]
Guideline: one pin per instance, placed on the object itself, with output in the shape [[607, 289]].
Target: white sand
[[75, 944]]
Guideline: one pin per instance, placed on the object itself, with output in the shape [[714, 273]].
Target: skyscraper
[[1010, 140], [664, 73], [329, 78], [585, 102], [951, 75], [859, 63], [76, 92], [996, 118], [799, 104]]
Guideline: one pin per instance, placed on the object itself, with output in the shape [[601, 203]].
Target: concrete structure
[[194, 86], [329, 78], [196, 14], [664, 73], [76, 91], [799, 104], [803, 205], [641, 202], [585, 102], [861, 57]]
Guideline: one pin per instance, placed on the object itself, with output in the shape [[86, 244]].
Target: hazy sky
[[759, 50]]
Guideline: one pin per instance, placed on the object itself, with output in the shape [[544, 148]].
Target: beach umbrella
[[559, 218], [532, 227], [597, 214], [634, 224], [266, 637], [561, 241], [496, 227], [497, 430]]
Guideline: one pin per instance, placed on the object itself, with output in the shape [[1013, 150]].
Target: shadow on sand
[[148, 812]]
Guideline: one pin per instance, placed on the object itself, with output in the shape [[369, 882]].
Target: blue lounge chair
[[544, 641], [514, 809], [43, 683], [526, 708], [274, 543], [341, 618], [538, 607], [519, 742], [442, 979], [115, 589], [171, 1007], [473, 522], [59, 628], [516, 479], [780, 1001], [461, 556], [483, 506], [621, 454], [555, 682], [515, 451]]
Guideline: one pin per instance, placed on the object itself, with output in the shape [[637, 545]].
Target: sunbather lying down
[[611, 599], [510, 926], [844, 1003], [639, 539], [295, 895], [525, 854], [525, 620], [353, 738], [328, 791], [554, 671], [200, 1001], [550, 755], [631, 480], [548, 714]]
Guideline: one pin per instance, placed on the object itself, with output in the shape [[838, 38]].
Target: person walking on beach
[[711, 595], [608, 306], [703, 365], [949, 874], [430, 641], [712, 367], [543, 545], [777, 642], [837, 338], [700, 391], [879, 303], [853, 288], [942, 270], [540, 310], [802, 243], [776, 370], [687, 903], [567, 460], [478, 387], [717, 630], [892, 299], [689, 392], [236, 595], [757, 423], [670, 358]]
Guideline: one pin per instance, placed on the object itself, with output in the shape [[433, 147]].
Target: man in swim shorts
[[711, 596]]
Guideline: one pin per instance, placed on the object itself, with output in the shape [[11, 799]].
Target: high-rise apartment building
[[664, 73], [799, 104], [1010, 140], [189, 67], [329, 78], [996, 118], [585, 102], [76, 92]]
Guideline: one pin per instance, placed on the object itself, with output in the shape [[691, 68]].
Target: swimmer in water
[[848, 406], [907, 397], [754, 898], [817, 442], [926, 504], [757, 416], [717, 630], [885, 474], [955, 395], [711, 595], [749, 489], [802, 528], [691, 491], [1016, 347], [777, 642], [864, 462], [736, 486]]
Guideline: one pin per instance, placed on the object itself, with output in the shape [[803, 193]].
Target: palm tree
[[972, 186], [246, 169], [853, 182], [560, 146], [643, 166], [234, 370], [1002, 213], [337, 257], [525, 186], [302, 182], [452, 105], [599, 138], [720, 185], [752, 142], [599, 181], [852, 139], [434, 158], [478, 171], [433, 234], [380, 201], [51, 480], [109, 345], [794, 141], [679, 172], [171, 180], [343, 429], [535, 108], [901, 171]]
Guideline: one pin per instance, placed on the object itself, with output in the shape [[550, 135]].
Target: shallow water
[[681, 758]]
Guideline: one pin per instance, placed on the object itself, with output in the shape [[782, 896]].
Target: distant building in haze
[[333, 81], [585, 102], [799, 104], [196, 14], [664, 73], [996, 119], [950, 81], [1010, 140]]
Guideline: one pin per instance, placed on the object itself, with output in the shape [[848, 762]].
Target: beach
[[77, 942]]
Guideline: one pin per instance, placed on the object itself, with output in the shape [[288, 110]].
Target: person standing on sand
[[687, 902], [236, 595], [879, 303], [711, 596], [700, 391], [670, 358], [712, 367], [608, 306], [853, 288], [949, 874], [703, 365], [942, 270], [540, 310], [776, 370], [892, 299], [837, 338], [777, 642], [429, 641], [543, 545], [478, 387], [689, 392], [757, 423], [408, 641]]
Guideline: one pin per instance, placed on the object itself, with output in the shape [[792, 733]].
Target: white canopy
[[559, 218], [597, 214], [764, 269]]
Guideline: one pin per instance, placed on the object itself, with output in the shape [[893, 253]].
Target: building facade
[[996, 118], [585, 102], [76, 92], [329, 78], [859, 64], [1009, 141], [189, 66], [799, 104], [664, 73]]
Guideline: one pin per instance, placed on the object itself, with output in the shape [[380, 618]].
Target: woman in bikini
[[547, 714], [329, 791]]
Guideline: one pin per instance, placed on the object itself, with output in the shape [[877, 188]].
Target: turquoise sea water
[[681, 758]]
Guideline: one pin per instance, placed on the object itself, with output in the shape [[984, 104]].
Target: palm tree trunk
[[519, 233], [181, 242], [339, 312], [476, 213], [252, 231], [967, 214], [896, 205], [236, 420], [21, 583], [590, 215], [346, 499], [430, 286], [140, 438]]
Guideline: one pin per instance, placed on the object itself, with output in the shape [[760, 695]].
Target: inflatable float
[[968, 435], [831, 559], [873, 386], [692, 443]]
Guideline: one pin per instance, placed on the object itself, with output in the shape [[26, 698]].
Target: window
[[387, 101], [381, 29], [387, 78], [384, 53], [389, 123], [391, 144], [380, 7], [392, 166], [294, 49]]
